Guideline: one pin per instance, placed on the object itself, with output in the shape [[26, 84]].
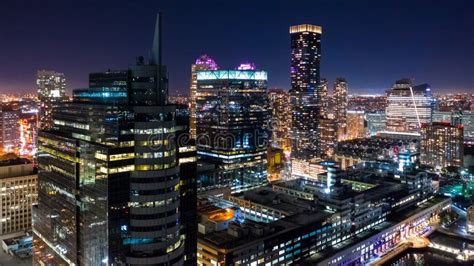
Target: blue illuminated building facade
[[231, 120], [108, 181]]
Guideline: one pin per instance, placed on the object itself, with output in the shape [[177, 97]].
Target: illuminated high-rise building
[[408, 107], [339, 95], [187, 160], [231, 125], [204, 62], [442, 145], [355, 121], [9, 129], [51, 92], [108, 181], [328, 129], [279, 102], [324, 98], [466, 118], [305, 90]]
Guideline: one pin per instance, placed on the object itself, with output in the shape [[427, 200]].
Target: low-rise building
[[17, 194], [341, 217]]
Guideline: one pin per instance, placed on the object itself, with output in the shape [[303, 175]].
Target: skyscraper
[[279, 101], [408, 107], [232, 117], [328, 135], [108, 177], [204, 62], [9, 128], [51, 91], [324, 98], [355, 124], [305, 90], [340, 107], [442, 145], [187, 160]]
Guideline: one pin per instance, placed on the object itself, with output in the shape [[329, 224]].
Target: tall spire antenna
[[156, 49]]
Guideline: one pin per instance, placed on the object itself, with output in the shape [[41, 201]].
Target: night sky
[[370, 43]]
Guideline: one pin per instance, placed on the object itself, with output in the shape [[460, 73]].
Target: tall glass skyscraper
[[51, 92], [204, 62], [305, 90], [279, 101], [408, 107], [231, 123], [108, 179], [340, 107]]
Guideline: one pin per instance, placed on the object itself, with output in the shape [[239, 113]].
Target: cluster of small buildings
[[342, 217]]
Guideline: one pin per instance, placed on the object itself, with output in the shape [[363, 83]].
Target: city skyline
[[380, 58], [239, 173]]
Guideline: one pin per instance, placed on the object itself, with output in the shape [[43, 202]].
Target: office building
[[376, 122], [280, 123], [109, 185], [466, 118], [9, 128], [305, 92], [408, 106], [355, 124], [204, 62], [18, 193], [328, 129], [187, 160], [325, 98], [442, 145], [232, 118], [339, 95], [51, 92]]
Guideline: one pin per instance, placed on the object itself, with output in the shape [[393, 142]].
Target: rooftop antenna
[[162, 93], [156, 48]]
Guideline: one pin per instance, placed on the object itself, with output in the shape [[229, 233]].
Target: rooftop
[[9, 159], [306, 28]]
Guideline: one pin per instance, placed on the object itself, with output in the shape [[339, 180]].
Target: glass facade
[[109, 186], [279, 102], [340, 107], [231, 123], [51, 91], [204, 62], [376, 122], [408, 107], [305, 90]]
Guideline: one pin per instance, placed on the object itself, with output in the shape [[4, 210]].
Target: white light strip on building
[[414, 104]]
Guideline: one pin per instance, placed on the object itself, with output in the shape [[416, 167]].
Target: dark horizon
[[370, 43]]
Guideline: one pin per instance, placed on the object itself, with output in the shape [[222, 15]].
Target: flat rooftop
[[224, 240], [277, 200], [393, 218], [9, 159]]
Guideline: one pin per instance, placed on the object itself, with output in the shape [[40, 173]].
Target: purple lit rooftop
[[246, 66], [207, 60]]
